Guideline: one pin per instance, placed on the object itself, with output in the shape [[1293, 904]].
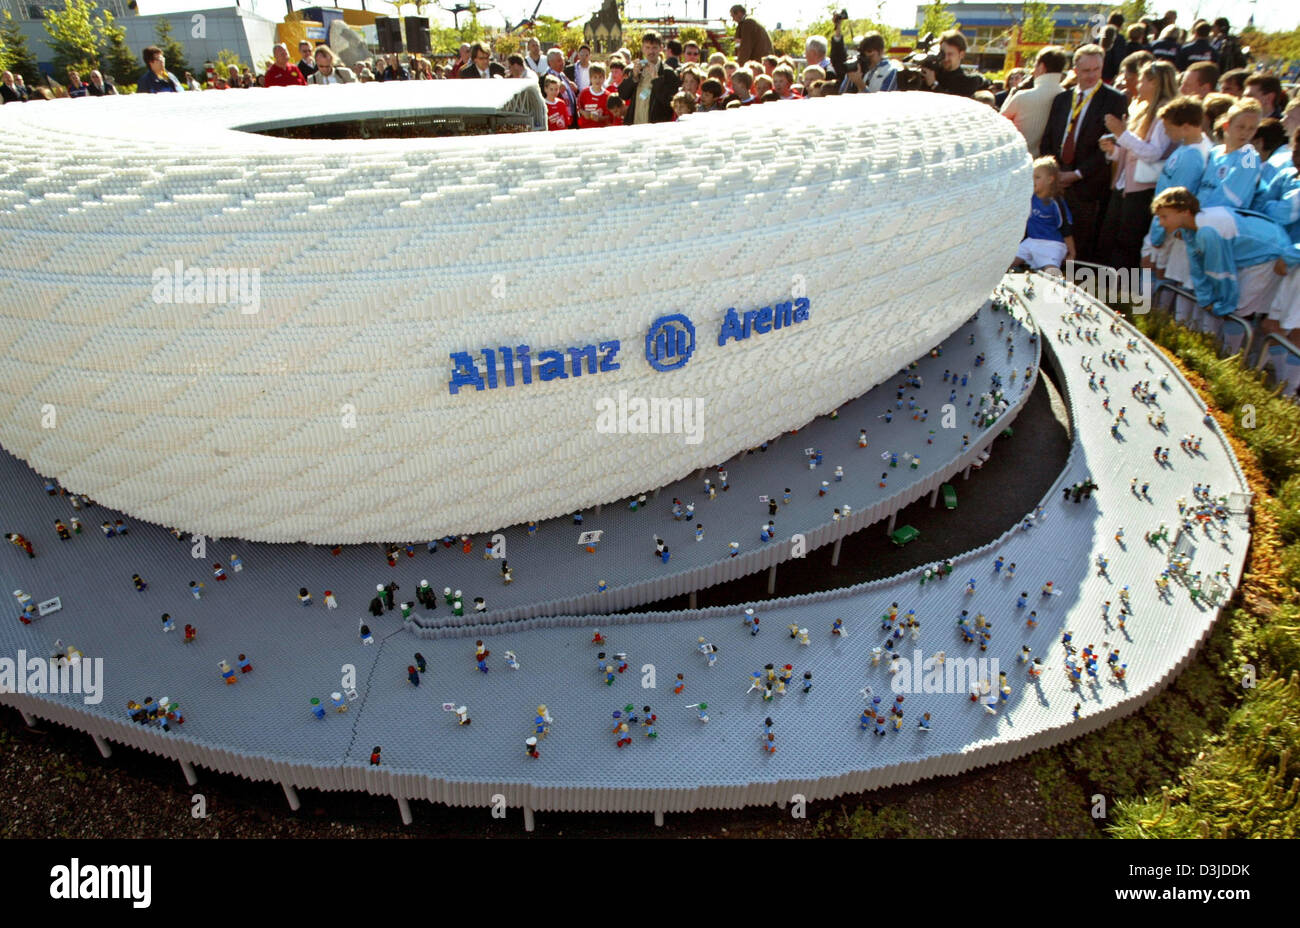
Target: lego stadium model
[[350, 341]]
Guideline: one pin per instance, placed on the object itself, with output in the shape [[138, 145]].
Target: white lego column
[[771, 580], [835, 552], [292, 795], [659, 818], [191, 777], [893, 516], [27, 719], [529, 824], [404, 807], [104, 749], [692, 604], [934, 497]]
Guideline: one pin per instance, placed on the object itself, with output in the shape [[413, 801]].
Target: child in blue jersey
[[1281, 203], [1048, 241], [1232, 170], [1182, 119], [1237, 258]]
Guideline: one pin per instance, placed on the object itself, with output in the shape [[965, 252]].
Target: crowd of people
[[1157, 150]]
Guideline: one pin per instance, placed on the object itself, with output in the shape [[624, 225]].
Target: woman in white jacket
[[328, 70], [1139, 149]]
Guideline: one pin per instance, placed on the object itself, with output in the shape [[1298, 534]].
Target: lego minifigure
[[245, 665], [319, 711], [374, 757], [542, 722], [837, 628], [190, 633], [803, 637], [339, 704], [709, 650], [511, 660], [680, 685], [413, 675], [623, 738], [751, 622], [530, 748], [138, 583], [303, 596], [330, 601]]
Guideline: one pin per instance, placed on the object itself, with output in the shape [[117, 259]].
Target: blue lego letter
[[552, 366], [730, 328], [464, 373], [801, 309]]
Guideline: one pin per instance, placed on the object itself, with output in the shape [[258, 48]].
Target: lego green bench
[[949, 496], [903, 535]]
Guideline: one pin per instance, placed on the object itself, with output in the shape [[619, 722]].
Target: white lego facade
[[313, 400]]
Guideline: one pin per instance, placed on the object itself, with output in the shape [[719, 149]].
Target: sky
[[1273, 15]]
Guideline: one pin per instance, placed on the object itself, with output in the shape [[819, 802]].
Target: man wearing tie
[[1074, 127]]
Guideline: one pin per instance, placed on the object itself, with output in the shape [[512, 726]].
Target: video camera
[[910, 77]]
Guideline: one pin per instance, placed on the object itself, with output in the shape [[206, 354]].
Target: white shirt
[[1155, 148], [537, 65], [1083, 113], [581, 75], [1029, 109]]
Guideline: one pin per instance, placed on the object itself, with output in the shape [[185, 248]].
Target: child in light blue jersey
[[1237, 258], [1232, 170]]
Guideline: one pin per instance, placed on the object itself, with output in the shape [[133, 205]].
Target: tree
[[785, 42], [119, 64], [75, 36], [1270, 47], [1133, 10], [17, 57], [225, 58], [937, 19], [1037, 21], [173, 51], [854, 29]]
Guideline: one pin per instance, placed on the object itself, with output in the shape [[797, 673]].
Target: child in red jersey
[[616, 106], [557, 110], [591, 102]]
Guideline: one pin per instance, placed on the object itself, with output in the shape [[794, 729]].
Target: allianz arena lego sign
[[386, 269], [668, 346]]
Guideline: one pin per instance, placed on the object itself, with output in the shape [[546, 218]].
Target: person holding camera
[[871, 71], [651, 85], [943, 73]]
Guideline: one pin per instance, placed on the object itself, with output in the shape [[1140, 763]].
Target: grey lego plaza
[[826, 738]]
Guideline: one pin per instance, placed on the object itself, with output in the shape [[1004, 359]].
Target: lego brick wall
[[316, 405]]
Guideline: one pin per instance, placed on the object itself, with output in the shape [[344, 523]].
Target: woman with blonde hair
[[1139, 149]]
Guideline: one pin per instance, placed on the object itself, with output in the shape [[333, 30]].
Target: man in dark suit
[[481, 64], [1074, 126]]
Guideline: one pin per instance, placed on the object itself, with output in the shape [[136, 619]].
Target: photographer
[[651, 85], [871, 71], [943, 73]]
